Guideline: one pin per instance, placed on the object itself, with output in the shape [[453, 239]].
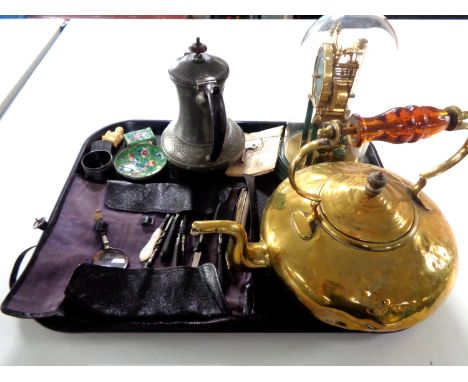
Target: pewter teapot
[[202, 138]]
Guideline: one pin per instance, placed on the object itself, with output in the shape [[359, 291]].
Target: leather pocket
[[162, 197], [159, 295]]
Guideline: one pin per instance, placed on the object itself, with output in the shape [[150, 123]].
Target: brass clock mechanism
[[334, 75]]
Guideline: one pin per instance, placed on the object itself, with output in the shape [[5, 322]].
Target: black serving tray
[[268, 306]]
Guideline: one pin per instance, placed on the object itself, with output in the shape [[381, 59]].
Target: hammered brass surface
[[351, 287], [354, 288], [351, 211], [386, 289]]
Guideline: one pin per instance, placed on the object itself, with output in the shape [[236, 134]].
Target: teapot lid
[[197, 66], [368, 208]]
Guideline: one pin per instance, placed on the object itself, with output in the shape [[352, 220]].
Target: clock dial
[[323, 73]]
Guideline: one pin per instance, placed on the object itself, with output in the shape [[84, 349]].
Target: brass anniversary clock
[[339, 55]]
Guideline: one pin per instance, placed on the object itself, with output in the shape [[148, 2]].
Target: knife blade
[[197, 252]]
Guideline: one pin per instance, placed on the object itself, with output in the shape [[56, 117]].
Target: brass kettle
[[361, 247]]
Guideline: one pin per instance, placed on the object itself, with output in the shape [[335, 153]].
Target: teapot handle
[[218, 118], [303, 151]]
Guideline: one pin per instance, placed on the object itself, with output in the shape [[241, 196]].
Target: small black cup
[[97, 165]]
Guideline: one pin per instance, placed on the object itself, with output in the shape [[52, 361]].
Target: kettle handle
[[218, 118], [403, 124], [303, 151], [449, 163], [415, 189]]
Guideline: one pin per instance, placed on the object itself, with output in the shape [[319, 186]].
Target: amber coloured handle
[[400, 125], [410, 124]]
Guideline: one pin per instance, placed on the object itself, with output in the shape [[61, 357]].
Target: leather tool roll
[[165, 294]]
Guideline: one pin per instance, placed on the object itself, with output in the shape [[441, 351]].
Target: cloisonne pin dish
[[140, 161]]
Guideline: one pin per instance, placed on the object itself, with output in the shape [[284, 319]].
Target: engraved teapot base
[[195, 157]]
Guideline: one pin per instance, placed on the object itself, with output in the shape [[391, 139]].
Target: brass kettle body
[[359, 246]]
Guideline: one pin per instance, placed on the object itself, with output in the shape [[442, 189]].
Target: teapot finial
[[198, 47]]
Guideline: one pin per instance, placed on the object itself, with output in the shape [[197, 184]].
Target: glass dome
[[352, 24], [342, 63]]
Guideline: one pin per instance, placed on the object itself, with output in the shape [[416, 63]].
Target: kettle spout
[[243, 254]]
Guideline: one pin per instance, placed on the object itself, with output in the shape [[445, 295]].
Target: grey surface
[[34, 344]]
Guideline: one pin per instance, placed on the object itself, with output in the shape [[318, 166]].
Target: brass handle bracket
[[458, 116], [303, 151], [452, 161]]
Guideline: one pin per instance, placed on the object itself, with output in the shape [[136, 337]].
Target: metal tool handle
[[176, 251], [178, 256], [402, 124], [171, 236]]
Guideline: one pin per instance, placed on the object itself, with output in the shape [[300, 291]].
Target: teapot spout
[[243, 253]]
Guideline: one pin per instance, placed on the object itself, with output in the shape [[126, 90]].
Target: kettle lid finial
[[376, 181]]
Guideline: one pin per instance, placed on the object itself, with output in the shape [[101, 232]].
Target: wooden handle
[[399, 125]]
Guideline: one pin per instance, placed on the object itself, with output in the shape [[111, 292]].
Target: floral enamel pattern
[[139, 136], [140, 161]]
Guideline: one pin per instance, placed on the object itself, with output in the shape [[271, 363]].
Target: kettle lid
[[197, 66], [366, 207]]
